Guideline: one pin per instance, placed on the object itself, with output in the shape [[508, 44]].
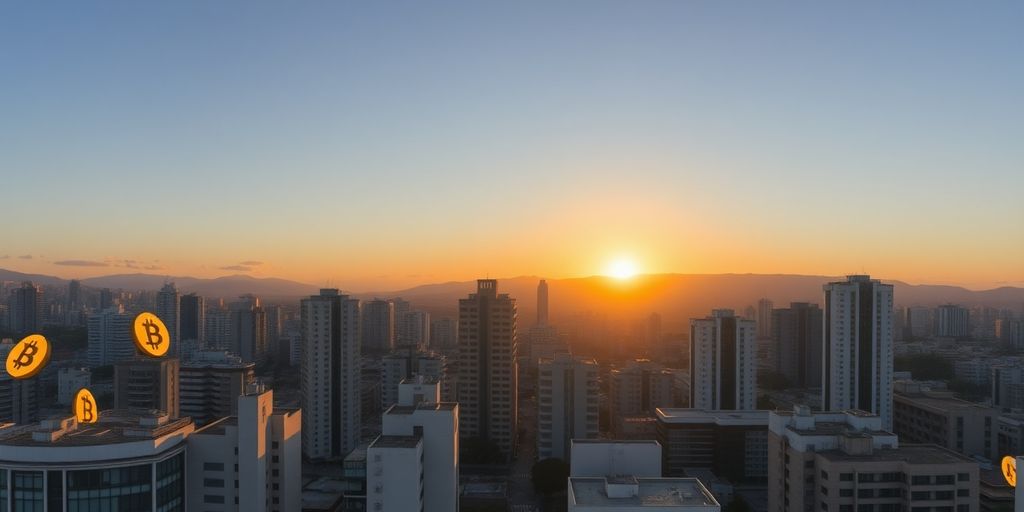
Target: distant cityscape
[[335, 402]]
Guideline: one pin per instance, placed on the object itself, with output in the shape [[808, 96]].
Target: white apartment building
[[858, 358], [723, 362], [567, 400]]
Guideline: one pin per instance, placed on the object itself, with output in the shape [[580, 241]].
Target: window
[[963, 477], [213, 466], [920, 495], [865, 493], [845, 493], [824, 490], [921, 480], [845, 477], [944, 480]]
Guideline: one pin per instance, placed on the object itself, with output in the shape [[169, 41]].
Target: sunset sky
[[378, 145]]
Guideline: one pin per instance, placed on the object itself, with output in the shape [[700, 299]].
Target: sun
[[621, 269]]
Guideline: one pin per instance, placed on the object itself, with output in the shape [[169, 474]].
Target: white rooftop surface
[[652, 492], [677, 415]]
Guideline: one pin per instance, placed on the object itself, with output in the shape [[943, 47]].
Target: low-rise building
[[842, 462], [732, 444], [631, 494], [600, 458], [921, 415]]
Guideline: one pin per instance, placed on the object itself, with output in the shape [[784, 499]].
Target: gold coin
[[151, 335], [1009, 466], [85, 407], [28, 357]]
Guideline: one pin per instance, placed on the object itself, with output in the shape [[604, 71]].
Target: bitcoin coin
[[85, 407], [150, 334], [1009, 466], [28, 357]]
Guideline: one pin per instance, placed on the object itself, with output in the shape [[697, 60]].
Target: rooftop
[[422, 406], [908, 453], [641, 492], [395, 442], [682, 416], [114, 426]]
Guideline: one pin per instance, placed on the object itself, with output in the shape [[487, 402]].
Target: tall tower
[[488, 371], [26, 308], [249, 329], [378, 326], [542, 303], [330, 375], [723, 362], [168, 308], [796, 335], [857, 359], [193, 318], [764, 318]]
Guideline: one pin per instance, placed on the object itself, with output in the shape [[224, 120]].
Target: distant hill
[[677, 297], [227, 286]]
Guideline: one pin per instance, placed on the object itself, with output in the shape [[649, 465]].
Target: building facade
[[330, 375], [731, 444], [723, 362], [796, 336], [567, 399], [858, 347], [487, 385]]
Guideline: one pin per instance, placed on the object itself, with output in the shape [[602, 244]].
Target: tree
[[550, 476], [738, 504], [480, 451]]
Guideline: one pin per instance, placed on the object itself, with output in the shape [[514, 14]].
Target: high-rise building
[[919, 322], [858, 347], [378, 326], [764, 318], [275, 329], [414, 464], [218, 330], [488, 370], [797, 343], [444, 334], [1010, 332], [110, 337], [210, 383], [193, 318], [106, 299], [125, 461], [249, 329], [542, 303], [168, 308], [723, 362], [848, 460], [567, 400], [638, 390], [19, 398], [26, 309], [330, 375], [952, 321], [73, 305], [148, 384], [250, 461], [413, 330]]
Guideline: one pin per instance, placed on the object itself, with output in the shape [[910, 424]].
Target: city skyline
[[190, 139]]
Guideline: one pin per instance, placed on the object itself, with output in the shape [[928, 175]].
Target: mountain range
[[675, 296]]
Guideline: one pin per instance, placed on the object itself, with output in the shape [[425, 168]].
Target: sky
[[387, 144]]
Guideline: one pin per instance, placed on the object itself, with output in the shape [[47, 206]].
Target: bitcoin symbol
[[26, 357], [86, 410], [150, 335], [153, 334]]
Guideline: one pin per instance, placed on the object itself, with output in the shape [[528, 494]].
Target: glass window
[[124, 488]]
